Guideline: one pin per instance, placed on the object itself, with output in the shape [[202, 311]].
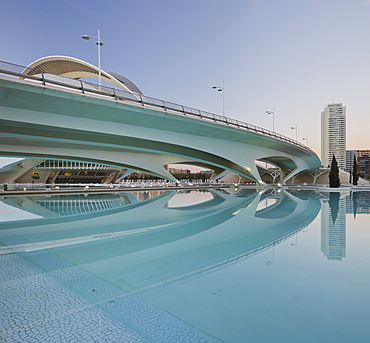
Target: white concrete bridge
[[43, 115]]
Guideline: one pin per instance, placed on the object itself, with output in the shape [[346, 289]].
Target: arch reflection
[[137, 245]]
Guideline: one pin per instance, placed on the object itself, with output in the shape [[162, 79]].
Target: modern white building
[[333, 135]]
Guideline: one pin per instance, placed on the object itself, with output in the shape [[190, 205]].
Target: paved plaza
[[45, 299]]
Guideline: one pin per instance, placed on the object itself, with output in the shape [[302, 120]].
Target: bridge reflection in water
[[136, 245], [84, 263]]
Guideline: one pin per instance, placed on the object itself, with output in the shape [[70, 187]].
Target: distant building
[[179, 171], [350, 154], [363, 162], [62, 172], [333, 135]]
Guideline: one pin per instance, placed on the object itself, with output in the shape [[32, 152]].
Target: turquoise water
[[199, 266]]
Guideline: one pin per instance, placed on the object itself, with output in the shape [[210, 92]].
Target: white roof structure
[[77, 69]]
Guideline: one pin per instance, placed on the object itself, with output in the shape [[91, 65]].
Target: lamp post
[[99, 43], [296, 131], [221, 89], [273, 118], [306, 139]]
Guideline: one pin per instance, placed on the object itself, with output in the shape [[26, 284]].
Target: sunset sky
[[293, 56]]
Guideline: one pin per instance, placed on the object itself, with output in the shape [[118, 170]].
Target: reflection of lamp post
[[221, 89], [99, 43], [273, 118], [306, 139], [268, 263], [296, 131]]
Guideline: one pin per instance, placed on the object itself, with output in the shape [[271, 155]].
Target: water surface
[[199, 266]]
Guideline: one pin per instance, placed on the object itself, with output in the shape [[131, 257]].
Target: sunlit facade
[[333, 135]]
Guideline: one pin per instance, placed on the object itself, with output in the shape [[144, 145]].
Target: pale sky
[[293, 56]]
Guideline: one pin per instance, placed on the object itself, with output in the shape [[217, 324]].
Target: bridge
[[47, 111]]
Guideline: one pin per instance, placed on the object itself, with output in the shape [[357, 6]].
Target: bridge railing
[[121, 95]]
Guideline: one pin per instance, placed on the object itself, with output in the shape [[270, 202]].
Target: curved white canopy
[[77, 69]]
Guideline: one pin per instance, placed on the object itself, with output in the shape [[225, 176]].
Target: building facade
[[63, 172], [333, 135], [363, 163], [362, 160], [350, 155]]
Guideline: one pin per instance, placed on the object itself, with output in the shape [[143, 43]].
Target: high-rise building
[[333, 135]]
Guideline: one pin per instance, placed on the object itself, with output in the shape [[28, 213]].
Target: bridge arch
[[55, 120]]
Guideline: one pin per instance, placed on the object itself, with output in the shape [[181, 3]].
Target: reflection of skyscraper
[[333, 229], [333, 135]]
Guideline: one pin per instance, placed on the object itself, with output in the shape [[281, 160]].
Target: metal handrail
[[121, 95]]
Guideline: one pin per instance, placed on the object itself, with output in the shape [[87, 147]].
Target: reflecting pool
[[186, 266]]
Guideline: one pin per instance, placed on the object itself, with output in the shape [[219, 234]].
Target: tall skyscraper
[[333, 135]]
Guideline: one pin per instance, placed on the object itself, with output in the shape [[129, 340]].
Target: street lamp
[[296, 131], [306, 139], [273, 118], [221, 89], [99, 43]]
